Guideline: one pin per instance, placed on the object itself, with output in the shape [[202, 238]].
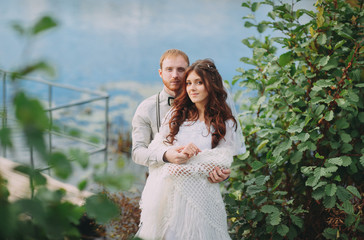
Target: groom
[[147, 118]]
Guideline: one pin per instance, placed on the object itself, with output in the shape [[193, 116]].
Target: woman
[[178, 201]]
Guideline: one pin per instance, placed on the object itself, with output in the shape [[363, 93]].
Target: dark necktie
[[170, 101]]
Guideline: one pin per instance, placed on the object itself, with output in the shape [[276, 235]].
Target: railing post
[[50, 98], [106, 131], [5, 114]]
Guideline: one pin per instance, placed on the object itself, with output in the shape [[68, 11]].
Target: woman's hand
[[190, 150], [218, 175]]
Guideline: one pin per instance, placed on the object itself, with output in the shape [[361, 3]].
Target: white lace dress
[[178, 201]]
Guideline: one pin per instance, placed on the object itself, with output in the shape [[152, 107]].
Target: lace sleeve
[[202, 164], [233, 139]]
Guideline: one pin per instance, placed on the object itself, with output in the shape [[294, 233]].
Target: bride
[[178, 201]]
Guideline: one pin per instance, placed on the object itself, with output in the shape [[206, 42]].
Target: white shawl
[[180, 198]]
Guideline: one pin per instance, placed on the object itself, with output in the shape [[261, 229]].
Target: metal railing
[[97, 96]]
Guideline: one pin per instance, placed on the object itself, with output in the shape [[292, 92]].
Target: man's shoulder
[[148, 101], [146, 107]]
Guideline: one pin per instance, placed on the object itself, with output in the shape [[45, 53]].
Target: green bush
[[302, 176]]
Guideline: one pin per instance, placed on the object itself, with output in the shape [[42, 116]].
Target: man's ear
[[160, 72]]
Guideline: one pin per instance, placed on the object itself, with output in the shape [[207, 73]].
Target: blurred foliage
[[46, 214], [302, 176], [127, 224]]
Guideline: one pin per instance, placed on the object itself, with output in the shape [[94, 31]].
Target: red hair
[[217, 112]]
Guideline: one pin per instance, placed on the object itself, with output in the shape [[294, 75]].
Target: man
[[151, 111]]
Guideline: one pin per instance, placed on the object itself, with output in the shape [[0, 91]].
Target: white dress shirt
[[144, 125]]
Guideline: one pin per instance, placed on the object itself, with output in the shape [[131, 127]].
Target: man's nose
[[175, 73]]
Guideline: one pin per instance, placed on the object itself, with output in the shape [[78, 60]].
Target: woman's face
[[196, 89]]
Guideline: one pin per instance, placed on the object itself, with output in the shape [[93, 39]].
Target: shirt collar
[[164, 95]]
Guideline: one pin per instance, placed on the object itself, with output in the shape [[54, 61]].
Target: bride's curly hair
[[216, 110]]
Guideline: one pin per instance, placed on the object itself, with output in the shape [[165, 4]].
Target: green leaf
[[346, 138], [323, 61], [255, 6], [294, 129], [336, 161], [274, 218], [348, 207], [330, 233], [342, 123], [18, 28], [297, 221], [248, 24], [346, 147], [353, 96], [244, 156], [343, 194], [317, 155], [324, 83], [254, 189], [319, 109], [345, 35], [45, 23], [61, 165], [82, 185], [329, 115], [262, 145], [259, 52], [362, 160], [269, 209], [346, 160], [256, 165], [282, 147], [116, 181], [272, 15], [296, 158], [261, 180], [82, 157], [250, 16], [308, 145], [101, 208], [329, 202], [361, 117], [339, 44], [34, 174], [333, 63], [5, 138], [282, 230], [312, 181], [318, 193], [285, 58], [303, 137], [262, 27], [38, 66], [321, 39], [330, 189], [354, 191]]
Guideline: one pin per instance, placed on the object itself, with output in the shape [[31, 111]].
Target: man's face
[[172, 73]]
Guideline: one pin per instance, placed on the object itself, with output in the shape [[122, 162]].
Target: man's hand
[[218, 175], [175, 155]]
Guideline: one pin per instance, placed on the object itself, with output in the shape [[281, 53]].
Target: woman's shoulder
[[230, 123]]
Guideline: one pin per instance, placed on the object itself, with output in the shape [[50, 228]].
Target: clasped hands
[[181, 154]]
